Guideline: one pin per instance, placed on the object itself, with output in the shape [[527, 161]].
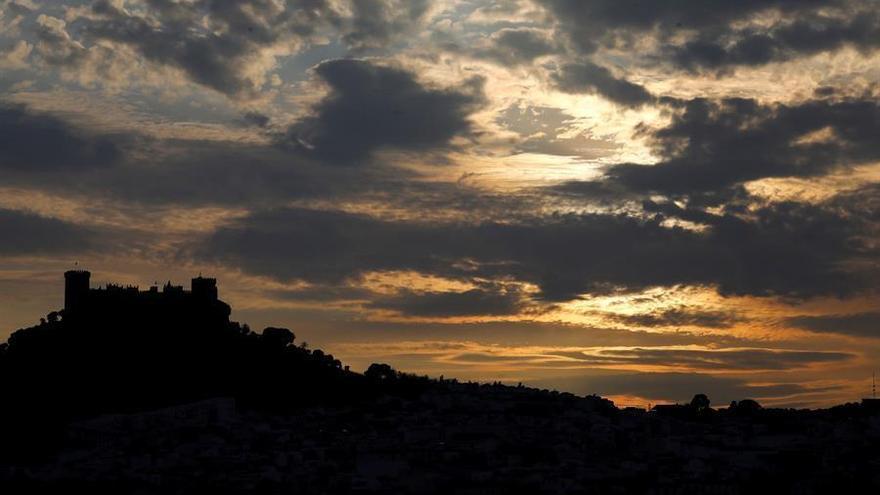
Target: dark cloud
[[704, 359], [786, 40], [163, 172], [786, 249], [18, 7], [376, 23], [516, 46], [683, 316], [689, 213], [686, 14], [792, 249], [323, 293], [320, 246], [598, 191], [36, 142], [564, 256], [592, 23], [371, 107], [711, 145], [854, 325], [175, 172], [29, 234], [256, 119], [717, 34], [862, 202], [589, 78], [59, 155], [491, 301]]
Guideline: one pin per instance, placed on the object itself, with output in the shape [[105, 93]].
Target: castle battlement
[[80, 297]]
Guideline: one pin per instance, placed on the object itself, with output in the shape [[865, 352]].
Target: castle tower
[[76, 288], [204, 289]]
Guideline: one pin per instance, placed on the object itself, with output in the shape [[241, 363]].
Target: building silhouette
[[170, 303], [76, 288]]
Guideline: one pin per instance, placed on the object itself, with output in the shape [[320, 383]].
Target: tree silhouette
[[700, 403], [380, 373], [745, 407], [280, 337]]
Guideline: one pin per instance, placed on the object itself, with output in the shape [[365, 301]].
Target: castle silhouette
[[171, 303]]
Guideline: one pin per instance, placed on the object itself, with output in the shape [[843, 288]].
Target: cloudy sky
[[634, 198]]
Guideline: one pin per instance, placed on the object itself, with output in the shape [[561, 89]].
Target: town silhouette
[[157, 391]]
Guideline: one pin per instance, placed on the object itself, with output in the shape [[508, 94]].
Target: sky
[[643, 200]]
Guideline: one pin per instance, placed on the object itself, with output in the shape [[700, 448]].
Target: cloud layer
[[370, 107]]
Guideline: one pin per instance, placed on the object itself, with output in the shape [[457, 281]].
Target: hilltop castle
[[199, 303]]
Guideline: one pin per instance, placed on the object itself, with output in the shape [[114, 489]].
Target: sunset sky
[[640, 199]]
